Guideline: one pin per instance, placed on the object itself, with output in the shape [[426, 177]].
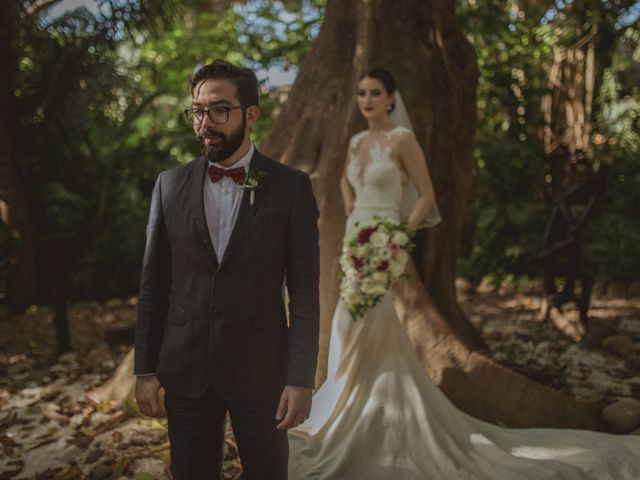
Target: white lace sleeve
[[356, 139], [396, 130]]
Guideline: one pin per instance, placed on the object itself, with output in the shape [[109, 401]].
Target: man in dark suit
[[226, 233]]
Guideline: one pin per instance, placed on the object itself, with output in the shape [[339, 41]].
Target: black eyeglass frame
[[195, 121]]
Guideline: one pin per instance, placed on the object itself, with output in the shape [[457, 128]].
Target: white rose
[[396, 269], [400, 238], [375, 284], [379, 278], [399, 263], [379, 239], [365, 286], [349, 287], [351, 274], [402, 256], [360, 251], [372, 288], [351, 297], [383, 254]]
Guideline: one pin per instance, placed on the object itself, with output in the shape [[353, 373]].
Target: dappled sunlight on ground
[[49, 429], [602, 368]]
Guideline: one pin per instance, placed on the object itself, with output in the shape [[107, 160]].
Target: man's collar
[[245, 161]]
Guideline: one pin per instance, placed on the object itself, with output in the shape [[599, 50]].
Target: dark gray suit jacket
[[205, 320]]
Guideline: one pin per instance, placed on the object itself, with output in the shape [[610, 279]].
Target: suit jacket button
[[216, 313]]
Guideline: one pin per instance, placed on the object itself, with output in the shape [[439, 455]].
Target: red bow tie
[[236, 174]]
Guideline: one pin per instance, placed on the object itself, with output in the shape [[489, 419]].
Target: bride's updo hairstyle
[[385, 77]]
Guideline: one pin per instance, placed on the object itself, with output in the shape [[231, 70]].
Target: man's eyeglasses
[[216, 114]]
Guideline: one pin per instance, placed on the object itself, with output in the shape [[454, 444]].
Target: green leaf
[[132, 409]]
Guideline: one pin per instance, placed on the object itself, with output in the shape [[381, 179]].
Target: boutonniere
[[254, 180]]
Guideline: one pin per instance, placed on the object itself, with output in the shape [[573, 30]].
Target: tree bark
[[436, 71], [14, 207], [567, 107]]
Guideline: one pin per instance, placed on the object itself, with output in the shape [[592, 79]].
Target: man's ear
[[253, 112]]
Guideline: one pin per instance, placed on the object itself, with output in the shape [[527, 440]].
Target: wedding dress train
[[378, 416]]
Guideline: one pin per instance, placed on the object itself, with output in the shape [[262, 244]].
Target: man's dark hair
[[243, 78]]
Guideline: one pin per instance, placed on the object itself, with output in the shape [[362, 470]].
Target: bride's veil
[[400, 117]]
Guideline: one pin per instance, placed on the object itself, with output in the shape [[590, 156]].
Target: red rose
[[383, 266], [358, 262], [364, 235]]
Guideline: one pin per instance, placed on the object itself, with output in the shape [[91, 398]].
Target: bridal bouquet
[[374, 254]]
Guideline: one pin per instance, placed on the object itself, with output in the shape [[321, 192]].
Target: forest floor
[[49, 430]]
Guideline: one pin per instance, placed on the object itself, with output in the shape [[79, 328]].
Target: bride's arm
[[348, 195], [415, 164]]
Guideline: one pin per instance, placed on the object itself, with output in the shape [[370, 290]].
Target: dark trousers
[[196, 433]]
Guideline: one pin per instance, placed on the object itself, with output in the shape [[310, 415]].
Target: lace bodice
[[376, 178]]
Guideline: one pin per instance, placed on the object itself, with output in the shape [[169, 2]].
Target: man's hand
[[150, 396], [294, 407]]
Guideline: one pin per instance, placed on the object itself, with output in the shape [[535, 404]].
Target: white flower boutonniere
[[254, 180]]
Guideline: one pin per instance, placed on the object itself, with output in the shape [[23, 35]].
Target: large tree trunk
[[14, 210], [420, 42]]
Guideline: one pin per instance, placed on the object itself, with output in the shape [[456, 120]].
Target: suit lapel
[[247, 211], [197, 198]]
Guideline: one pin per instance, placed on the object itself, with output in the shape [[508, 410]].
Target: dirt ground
[[49, 430]]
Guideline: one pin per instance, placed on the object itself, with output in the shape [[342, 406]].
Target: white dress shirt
[[222, 204]]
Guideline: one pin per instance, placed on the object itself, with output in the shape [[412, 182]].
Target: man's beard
[[225, 148]]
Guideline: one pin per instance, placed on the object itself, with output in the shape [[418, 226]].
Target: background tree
[[65, 91], [582, 52], [17, 238], [97, 100], [520, 109]]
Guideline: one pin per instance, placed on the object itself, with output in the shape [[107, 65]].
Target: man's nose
[[206, 121]]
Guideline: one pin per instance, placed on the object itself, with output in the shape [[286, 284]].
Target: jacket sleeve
[[303, 270], [155, 284]]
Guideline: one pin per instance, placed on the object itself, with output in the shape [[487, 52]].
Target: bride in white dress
[[378, 416]]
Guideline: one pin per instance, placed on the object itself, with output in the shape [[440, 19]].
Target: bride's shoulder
[[357, 138], [399, 132], [401, 138]]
